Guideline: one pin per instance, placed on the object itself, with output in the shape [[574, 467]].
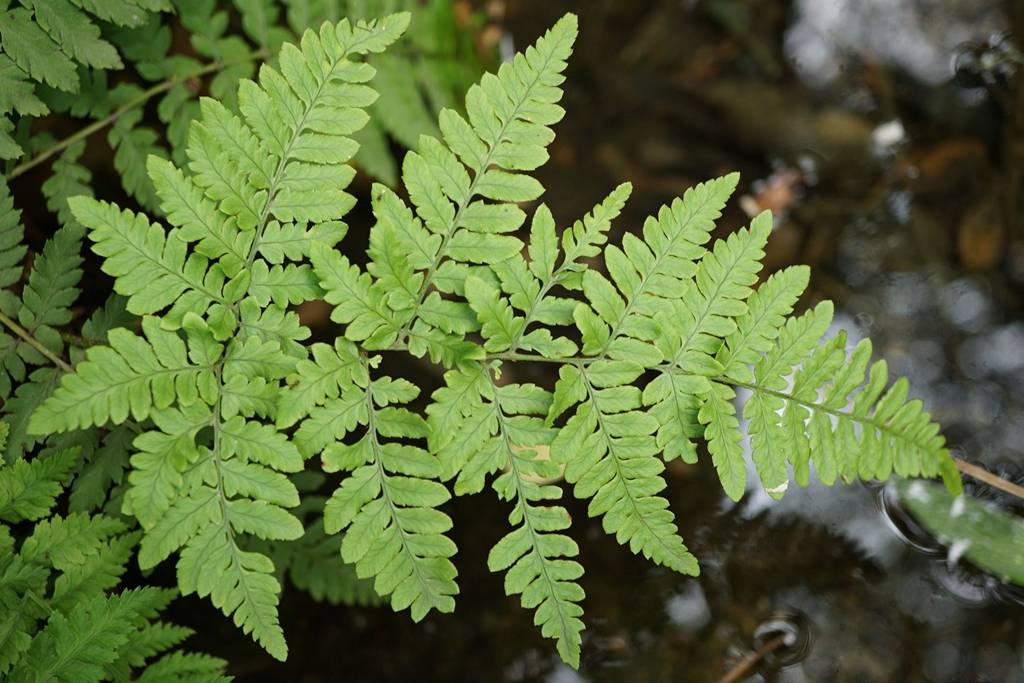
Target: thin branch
[[27, 337], [747, 665], [138, 101], [993, 480]]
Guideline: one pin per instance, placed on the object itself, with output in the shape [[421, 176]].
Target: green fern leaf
[[150, 267], [766, 313], [103, 470], [255, 185], [17, 93], [76, 35], [68, 179], [32, 50], [19, 408], [132, 145], [536, 558], [28, 489], [76, 647], [185, 666], [725, 442], [132, 376], [388, 504], [609, 451], [507, 131]]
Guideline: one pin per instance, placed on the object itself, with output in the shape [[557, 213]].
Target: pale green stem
[[27, 337]]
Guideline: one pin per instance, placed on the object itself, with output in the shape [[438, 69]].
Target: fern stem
[[993, 480], [215, 424], [27, 337], [137, 101]]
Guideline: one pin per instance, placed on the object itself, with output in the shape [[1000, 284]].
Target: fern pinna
[[649, 350]]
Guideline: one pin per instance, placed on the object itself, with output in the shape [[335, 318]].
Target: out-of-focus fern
[[651, 343], [440, 63], [60, 616], [29, 337], [49, 43]]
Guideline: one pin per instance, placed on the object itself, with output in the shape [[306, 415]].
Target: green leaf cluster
[[70, 58], [59, 617], [52, 44], [213, 290], [661, 342]]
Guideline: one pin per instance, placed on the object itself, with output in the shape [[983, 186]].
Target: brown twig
[[746, 665], [993, 480]]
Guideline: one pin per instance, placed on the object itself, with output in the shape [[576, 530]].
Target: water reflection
[[918, 37]]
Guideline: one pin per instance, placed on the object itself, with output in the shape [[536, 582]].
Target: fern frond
[[150, 640], [331, 371], [537, 559], [656, 340], [464, 189], [124, 12], [18, 410], [64, 542], [98, 573], [610, 456], [150, 267], [35, 52], [609, 445], [76, 647], [185, 666], [44, 302], [50, 292], [16, 91], [879, 433], [68, 178], [161, 458], [239, 582], [61, 574], [388, 504], [254, 198], [132, 145], [767, 309], [76, 35]]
